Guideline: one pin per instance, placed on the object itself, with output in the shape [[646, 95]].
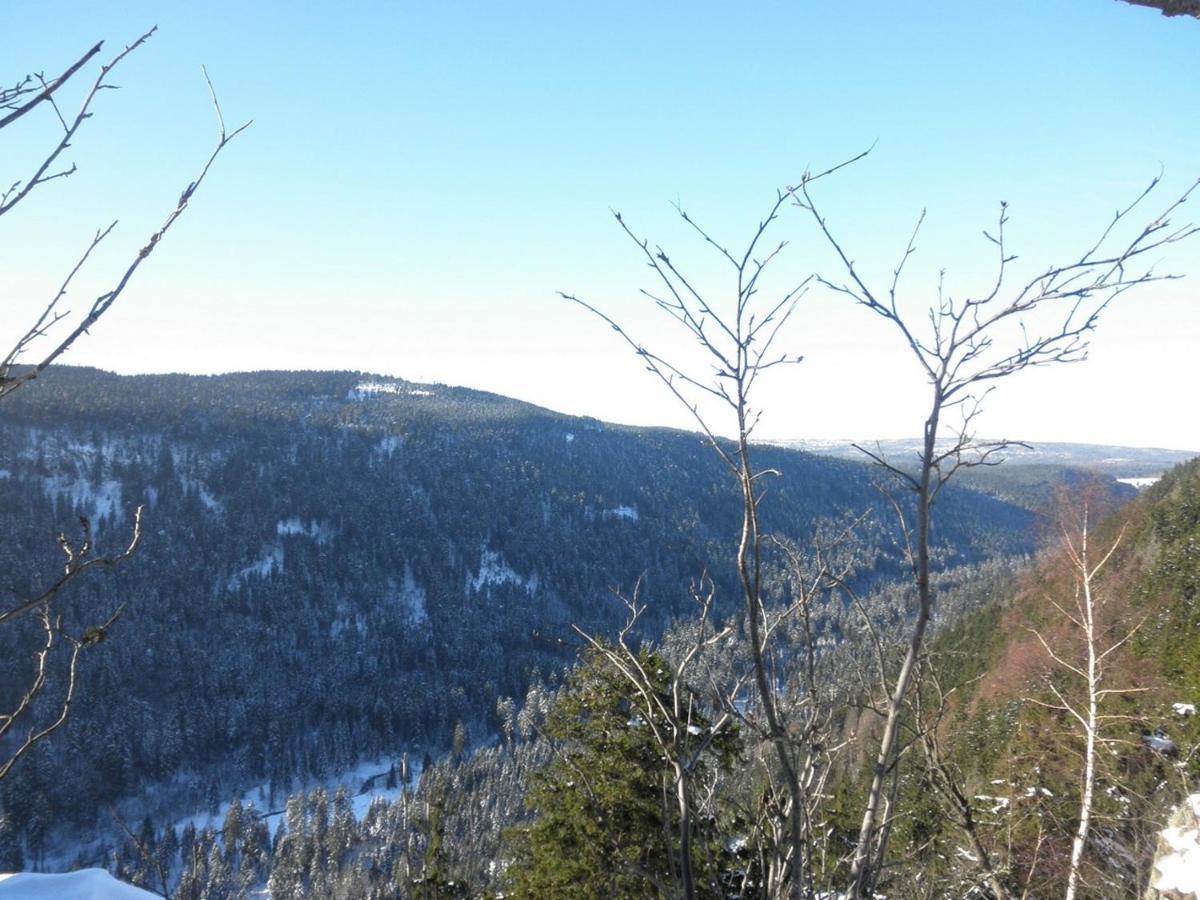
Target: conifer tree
[[604, 809], [218, 883], [12, 859], [231, 830]]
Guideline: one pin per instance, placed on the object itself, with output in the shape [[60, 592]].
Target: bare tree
[[945, 778], [150, 860], [739, 340], [46, 339], [1084, 615], [964, 347]]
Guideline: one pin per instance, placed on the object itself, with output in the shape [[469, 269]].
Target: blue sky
[[421, 179]]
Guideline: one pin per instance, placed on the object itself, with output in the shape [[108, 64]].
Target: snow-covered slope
[[86, 884]]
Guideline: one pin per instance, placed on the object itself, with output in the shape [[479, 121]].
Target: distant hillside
[[337, 565], [1117, 462]]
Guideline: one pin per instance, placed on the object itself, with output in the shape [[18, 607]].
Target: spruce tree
[[603, 809], [12, 859]]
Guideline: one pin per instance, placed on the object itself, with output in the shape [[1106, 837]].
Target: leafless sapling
[[1095, 642], [964, 347], [738, 337]]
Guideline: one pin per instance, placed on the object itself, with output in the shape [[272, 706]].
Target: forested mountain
[[335, 565], [996, 764]]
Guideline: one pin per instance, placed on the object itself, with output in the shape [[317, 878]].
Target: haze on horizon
[[420, 182]]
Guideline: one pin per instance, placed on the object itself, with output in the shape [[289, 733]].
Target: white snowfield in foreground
[[86, 884], [1179, 868]]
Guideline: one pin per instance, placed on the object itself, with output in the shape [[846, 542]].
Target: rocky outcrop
[[1171, 7]]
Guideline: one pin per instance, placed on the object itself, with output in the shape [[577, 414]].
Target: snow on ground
[[1179, 868], [270, 561], [211, 503], [195, 485], [319, 531], [365, 783], [412, 596], [366, 389], [998, 803], [85, 884], [388, 445], [1139, 483], [1184, 709], [95, 502], [622, 512], [494, 570]]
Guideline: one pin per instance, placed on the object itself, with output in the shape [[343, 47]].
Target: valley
[[337, 567]]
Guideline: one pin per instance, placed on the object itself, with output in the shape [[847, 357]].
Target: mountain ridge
[[336, 566]]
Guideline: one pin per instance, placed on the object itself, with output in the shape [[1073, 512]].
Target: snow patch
[[1115, 793], [365, 390], [493, 570], [95, 502], [998, 803], [1178, 869], [270, 561], [1184, 709], [84, 884], [1139, 483], [5, 474], [388, 445], [319, 531], [198, 487], [412, 596], [622, 512], [366, 782], [570, 437]]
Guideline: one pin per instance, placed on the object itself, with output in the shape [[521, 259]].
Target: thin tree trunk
[[685, 834], [862, 877], [1089, 769], [750, 572]]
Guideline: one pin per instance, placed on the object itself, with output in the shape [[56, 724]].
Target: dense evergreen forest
[[569, 802], [336, 567]]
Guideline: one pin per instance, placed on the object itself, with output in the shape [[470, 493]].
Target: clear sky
[[421, 178]]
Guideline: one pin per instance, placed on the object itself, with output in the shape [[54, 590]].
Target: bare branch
[[47, 91], [9, 381], [40, 176]]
